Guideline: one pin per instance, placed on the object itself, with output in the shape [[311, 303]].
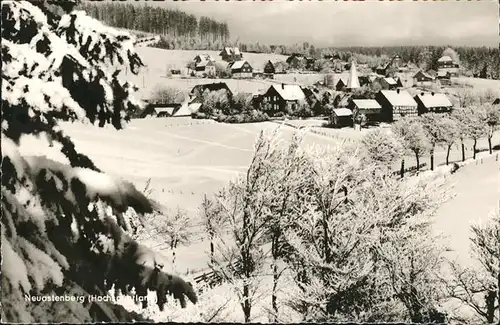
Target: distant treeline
[[172, 22], [481, 61], [179, 30]]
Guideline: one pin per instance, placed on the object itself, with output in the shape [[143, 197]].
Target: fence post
[[402, 168]]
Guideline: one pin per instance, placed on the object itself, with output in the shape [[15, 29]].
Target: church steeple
[[353, 81]]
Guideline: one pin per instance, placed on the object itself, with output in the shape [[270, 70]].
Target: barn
[[341, 117], [370, 108], [396, 104], [432, 102]]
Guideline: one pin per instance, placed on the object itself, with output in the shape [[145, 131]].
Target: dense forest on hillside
[[172, 22], [180, 30]]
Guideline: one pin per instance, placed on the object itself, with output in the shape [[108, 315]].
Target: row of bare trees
[[421, 135]]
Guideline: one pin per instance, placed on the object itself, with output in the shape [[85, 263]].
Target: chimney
[[282, 86]]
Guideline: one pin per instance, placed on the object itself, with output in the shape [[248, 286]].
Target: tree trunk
[[448, 154], [489, 145], [247, 306], [274, 298], [463, 152], [432, 159], [211, 251], [490, 306], [417, 157], [474, 149], [402, 168]]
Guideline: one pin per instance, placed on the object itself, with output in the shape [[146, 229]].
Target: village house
[[187, 109], [241, 69], [312, 98], [396, 104], [394, 64], [205, 69], [269, 70], [370, 108], [444, 77], [203, 57], [199, 90], [341, 84], [388, 83], [341, 117], [446, 63], [497, 101], [423, 77], [433, 103], [342, 100], [296, 60], [364, 81], [282, 97], [230, 54], [159, 110]]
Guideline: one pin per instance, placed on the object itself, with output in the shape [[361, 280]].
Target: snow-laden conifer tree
[[66, 227]]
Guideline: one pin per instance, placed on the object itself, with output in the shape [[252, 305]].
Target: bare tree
[[245, 205], [367, 256], [167, 95], [413, 137], [381, 147], [493, 122], [478, 287]]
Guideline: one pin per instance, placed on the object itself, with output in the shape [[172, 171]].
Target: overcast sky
[[344, 23]]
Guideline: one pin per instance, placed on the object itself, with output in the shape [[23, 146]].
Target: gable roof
[[443, 73], [445, 58], [425, 74], [434, 100], [204, 63], [231, 50], [399, 98], [205, 57], [497, 101], [366, 103], [187, 109], [237, 64], [390, 81], [289, 92], [211, 87], [342, 112]]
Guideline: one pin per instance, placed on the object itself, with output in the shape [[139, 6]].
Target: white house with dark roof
[[282, 97], [433, 102], [396, 104]]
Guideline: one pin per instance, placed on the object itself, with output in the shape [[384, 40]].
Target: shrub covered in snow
[[66, 228]]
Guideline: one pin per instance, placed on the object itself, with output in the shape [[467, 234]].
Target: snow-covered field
[[187, 158]]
